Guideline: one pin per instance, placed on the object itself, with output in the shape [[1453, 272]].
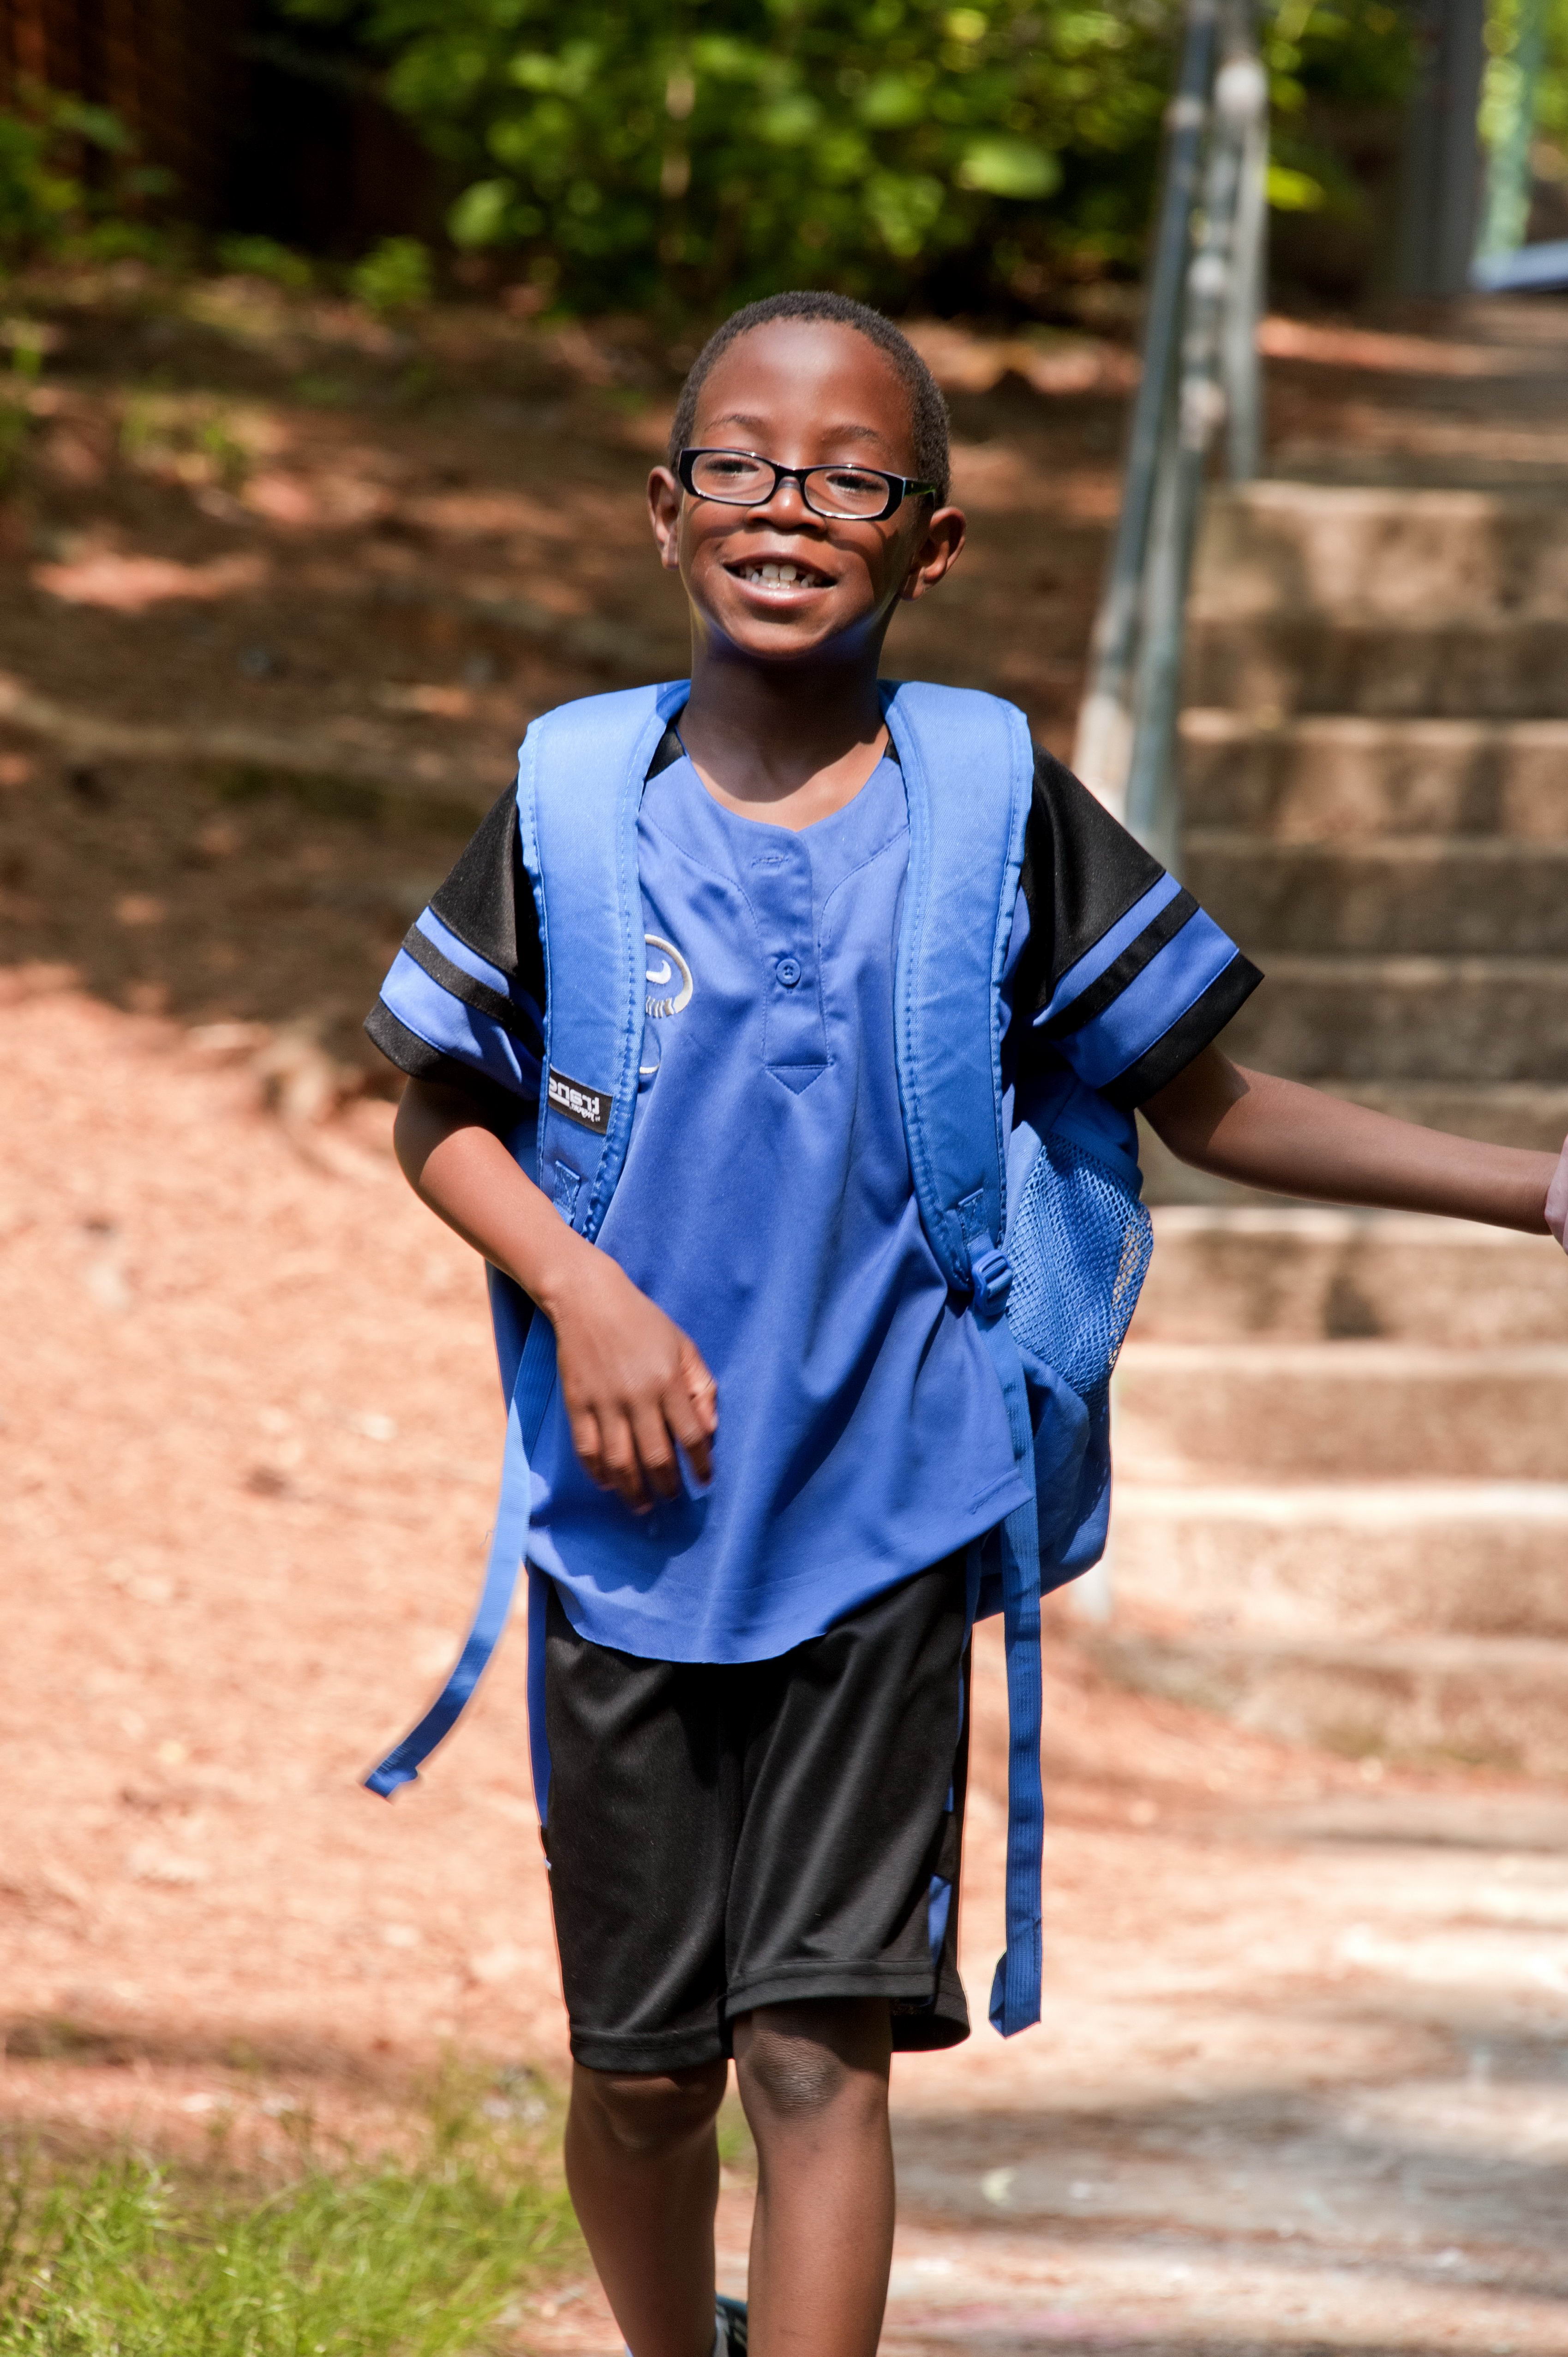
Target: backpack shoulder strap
[[968, 777], [579, 784], [969, 772]]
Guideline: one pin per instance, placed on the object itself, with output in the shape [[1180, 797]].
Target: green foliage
[[69, 181], [1504, 26], [1333, 57], [1329, 62], [124, 2259], [25, 343], [394, 276], [718, 148], [693, 153], [264, 257]]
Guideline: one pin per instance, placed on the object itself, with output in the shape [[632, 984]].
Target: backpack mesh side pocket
[[1080, 1242]]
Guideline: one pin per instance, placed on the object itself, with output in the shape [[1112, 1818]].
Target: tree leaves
[[689, 152], [718, 148]]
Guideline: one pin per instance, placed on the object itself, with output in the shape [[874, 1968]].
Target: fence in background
[[1199, 369], [166, 67]]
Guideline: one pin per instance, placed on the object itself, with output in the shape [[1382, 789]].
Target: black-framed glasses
[[739, 479]]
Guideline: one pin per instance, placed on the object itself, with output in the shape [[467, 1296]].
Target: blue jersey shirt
[[766, 1205], [767, 1202]]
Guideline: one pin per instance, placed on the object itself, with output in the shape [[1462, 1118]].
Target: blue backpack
[[1038, 1228]]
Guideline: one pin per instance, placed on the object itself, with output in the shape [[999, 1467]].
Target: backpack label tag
[[589, 1107]]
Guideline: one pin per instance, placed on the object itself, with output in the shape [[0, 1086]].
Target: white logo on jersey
[[665, 961]]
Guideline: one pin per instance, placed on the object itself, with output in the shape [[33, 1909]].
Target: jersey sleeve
[[1123, 975], [463, 1000]]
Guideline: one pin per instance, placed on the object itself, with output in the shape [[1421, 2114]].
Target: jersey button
[[788, 972]]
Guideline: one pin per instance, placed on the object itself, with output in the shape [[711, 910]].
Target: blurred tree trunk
[[1441, 179]]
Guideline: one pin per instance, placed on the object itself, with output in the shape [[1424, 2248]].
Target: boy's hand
[[1557, 1199], [634, 1385]]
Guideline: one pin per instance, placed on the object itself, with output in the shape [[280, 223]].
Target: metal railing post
[[1153, 802], [1102, 749], [1242, 367]]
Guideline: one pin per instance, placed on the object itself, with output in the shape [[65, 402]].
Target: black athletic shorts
[[727, 1835]]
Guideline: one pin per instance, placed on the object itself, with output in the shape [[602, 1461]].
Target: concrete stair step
[[1506, 1113], [1406, 552], [1410, 895], [1463, 666], [1497, 1701], [1350, 1411], [1267, 1274], [1358, 1560], [1339, 777], [1432, 1019]]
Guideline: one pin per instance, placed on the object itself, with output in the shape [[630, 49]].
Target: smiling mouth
[[776, 575]]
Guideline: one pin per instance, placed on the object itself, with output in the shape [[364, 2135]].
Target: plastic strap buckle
[[990, 1275]]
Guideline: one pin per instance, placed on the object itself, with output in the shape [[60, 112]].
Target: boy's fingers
[[1557, 1199], [700, 1388], [653, 1447], [622, 1472], [586, 1441], [691, 1428]]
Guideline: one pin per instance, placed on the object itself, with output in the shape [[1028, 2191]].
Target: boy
[[754, 1657]]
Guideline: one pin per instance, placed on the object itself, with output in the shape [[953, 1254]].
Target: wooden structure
[[168, 69]]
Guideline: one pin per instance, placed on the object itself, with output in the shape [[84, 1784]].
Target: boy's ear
[[664, 514], [937, 550]]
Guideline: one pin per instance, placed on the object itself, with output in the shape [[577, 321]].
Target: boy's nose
[[787, 503]]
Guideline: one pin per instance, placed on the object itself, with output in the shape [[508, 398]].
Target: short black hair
[[927, 410]]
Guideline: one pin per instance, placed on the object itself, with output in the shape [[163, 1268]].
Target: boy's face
[[781, 581]]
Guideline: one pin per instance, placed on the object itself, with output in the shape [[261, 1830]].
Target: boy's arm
[[1294, 1140], [633, 1383]]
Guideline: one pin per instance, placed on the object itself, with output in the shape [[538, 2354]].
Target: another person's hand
[[1557, 1199], [634, 1385]]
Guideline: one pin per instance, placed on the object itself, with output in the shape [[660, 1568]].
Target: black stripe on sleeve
[[499, 1107], [488, 899], [1162, 926], [1188, 1036], [1082, 871], [512, 1018]]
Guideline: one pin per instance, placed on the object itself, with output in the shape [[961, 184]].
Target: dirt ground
[[1303, 2083]]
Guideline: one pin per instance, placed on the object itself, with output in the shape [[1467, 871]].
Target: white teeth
[[778, 576]]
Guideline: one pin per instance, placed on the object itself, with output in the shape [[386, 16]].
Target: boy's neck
[[789, 744]]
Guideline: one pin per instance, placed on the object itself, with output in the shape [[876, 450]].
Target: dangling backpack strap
[[526, 1402], [969, 771], [579, 786]]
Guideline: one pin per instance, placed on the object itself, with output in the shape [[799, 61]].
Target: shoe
[[732, 2325]]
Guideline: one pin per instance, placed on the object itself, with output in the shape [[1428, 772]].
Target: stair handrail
[[1199, 365]]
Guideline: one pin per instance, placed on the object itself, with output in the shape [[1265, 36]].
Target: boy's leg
[[813, 2079], [642, 2163], [642, 1816]]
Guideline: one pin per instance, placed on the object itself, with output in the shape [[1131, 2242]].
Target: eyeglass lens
[[831, 490]]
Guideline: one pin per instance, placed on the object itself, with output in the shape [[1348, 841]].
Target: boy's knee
[[647, 2114], [797, 2062]]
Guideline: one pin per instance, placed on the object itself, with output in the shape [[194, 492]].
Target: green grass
[[127, 2257]]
